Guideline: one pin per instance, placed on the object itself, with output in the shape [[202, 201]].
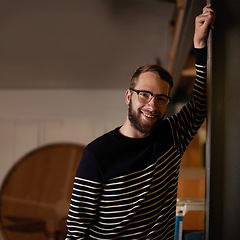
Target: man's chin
[[148, 128]]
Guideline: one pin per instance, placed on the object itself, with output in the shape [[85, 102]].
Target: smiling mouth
[[148, 115]]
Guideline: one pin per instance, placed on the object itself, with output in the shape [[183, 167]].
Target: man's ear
[[128, 96]]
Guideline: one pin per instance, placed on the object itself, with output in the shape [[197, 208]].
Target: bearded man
[[126, 183]]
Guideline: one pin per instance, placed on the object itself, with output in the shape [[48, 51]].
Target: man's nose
[[153, 103]]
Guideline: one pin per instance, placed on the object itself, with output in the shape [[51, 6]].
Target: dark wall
[[223, 148]]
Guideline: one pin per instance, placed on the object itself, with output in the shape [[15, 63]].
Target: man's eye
[[162, 99], [143, 94]]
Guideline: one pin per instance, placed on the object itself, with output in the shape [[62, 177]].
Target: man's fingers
[[207, 8], [210, 14], [207, 18], [210, 18]]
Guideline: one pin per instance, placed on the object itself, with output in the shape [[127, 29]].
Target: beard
[[136, 121]]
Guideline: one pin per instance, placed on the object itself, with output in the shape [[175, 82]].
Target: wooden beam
[[176, 33], [183, 38]]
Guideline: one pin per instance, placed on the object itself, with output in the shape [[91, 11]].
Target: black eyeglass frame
[[152, 95]]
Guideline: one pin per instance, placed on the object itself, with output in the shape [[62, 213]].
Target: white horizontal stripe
[[125, 199], [102, 237], [118, 217], [76, 195], [76, 226], [200, 76], [78, 223], [73, 231], [120, 211], [112, 233], [113, 223], [123, 205], [79, 217], [125, 193], [126, 187], [86, 180], [120, 227], [77, 237], [108, 233], [197, 70], [84, 191], [86, 186], [86, 213], [200, 66], [109, 229], [84, 202], [77, 207]]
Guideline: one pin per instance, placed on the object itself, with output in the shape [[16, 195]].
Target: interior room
[[64, 69]]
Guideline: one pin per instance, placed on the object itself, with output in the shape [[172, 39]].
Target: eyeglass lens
[[146, 97]]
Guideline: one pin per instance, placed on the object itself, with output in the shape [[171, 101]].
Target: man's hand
[[202, 24]]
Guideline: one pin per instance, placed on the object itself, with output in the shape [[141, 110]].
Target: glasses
[[146, 96]]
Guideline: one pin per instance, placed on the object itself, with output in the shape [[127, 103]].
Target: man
[[126, 183]]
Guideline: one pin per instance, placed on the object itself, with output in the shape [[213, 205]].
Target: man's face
[[144, 117]]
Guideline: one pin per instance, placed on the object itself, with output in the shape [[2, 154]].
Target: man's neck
[[129, 131]]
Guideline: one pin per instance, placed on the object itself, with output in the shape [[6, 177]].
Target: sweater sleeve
[[86, 190], [184, 124]]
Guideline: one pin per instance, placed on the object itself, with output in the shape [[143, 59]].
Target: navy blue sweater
[[126, 188]]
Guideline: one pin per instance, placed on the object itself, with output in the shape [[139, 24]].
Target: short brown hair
[[161, 72]]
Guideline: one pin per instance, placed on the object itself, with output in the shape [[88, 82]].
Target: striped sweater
[[126, 188]]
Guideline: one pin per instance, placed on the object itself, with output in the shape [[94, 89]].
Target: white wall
[[32, 118]]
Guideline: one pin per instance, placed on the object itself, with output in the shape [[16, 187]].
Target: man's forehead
[[149, 74], [151, 81], [150, 78]]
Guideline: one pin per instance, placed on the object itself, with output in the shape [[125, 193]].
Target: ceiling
[[69, 44]]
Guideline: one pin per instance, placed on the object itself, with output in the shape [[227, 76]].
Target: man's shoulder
[[163, 126], [102, 141], [162, 133]]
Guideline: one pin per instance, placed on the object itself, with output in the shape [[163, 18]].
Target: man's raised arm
[[202, 24]]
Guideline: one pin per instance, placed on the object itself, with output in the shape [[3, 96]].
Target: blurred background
[[64, 68]]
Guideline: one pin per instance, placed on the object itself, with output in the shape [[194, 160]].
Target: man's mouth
[[149, 115]]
